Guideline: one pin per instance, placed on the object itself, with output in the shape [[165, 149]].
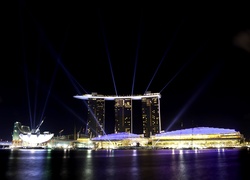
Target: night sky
[[197, 58]]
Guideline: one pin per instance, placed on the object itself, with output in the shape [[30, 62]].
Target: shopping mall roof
[[116, 136], [197, 131]]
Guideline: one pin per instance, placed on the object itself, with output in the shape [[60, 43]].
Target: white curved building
[[24, 137], [34, 139]]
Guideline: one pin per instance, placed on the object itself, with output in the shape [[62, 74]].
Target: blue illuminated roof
[[197, 131], [116, 136]]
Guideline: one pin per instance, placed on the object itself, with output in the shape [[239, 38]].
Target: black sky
[[53, 51]]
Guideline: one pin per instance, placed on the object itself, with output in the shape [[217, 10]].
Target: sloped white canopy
[[116, 136], [36, 138], [197, 131]]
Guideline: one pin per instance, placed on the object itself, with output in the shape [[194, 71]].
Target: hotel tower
[[123, 113]]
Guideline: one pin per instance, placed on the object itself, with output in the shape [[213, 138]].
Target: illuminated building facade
[[199, 137], [119, 140], [151, 116], [96, 117], [18, 128], [123, 115], [193, 138]]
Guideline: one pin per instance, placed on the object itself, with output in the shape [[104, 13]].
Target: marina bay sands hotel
[[151, 120]]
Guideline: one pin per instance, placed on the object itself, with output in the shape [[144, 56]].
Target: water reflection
[[30, 163], [122, 164]]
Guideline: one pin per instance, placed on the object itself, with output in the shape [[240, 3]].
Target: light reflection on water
[[124, 164]]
